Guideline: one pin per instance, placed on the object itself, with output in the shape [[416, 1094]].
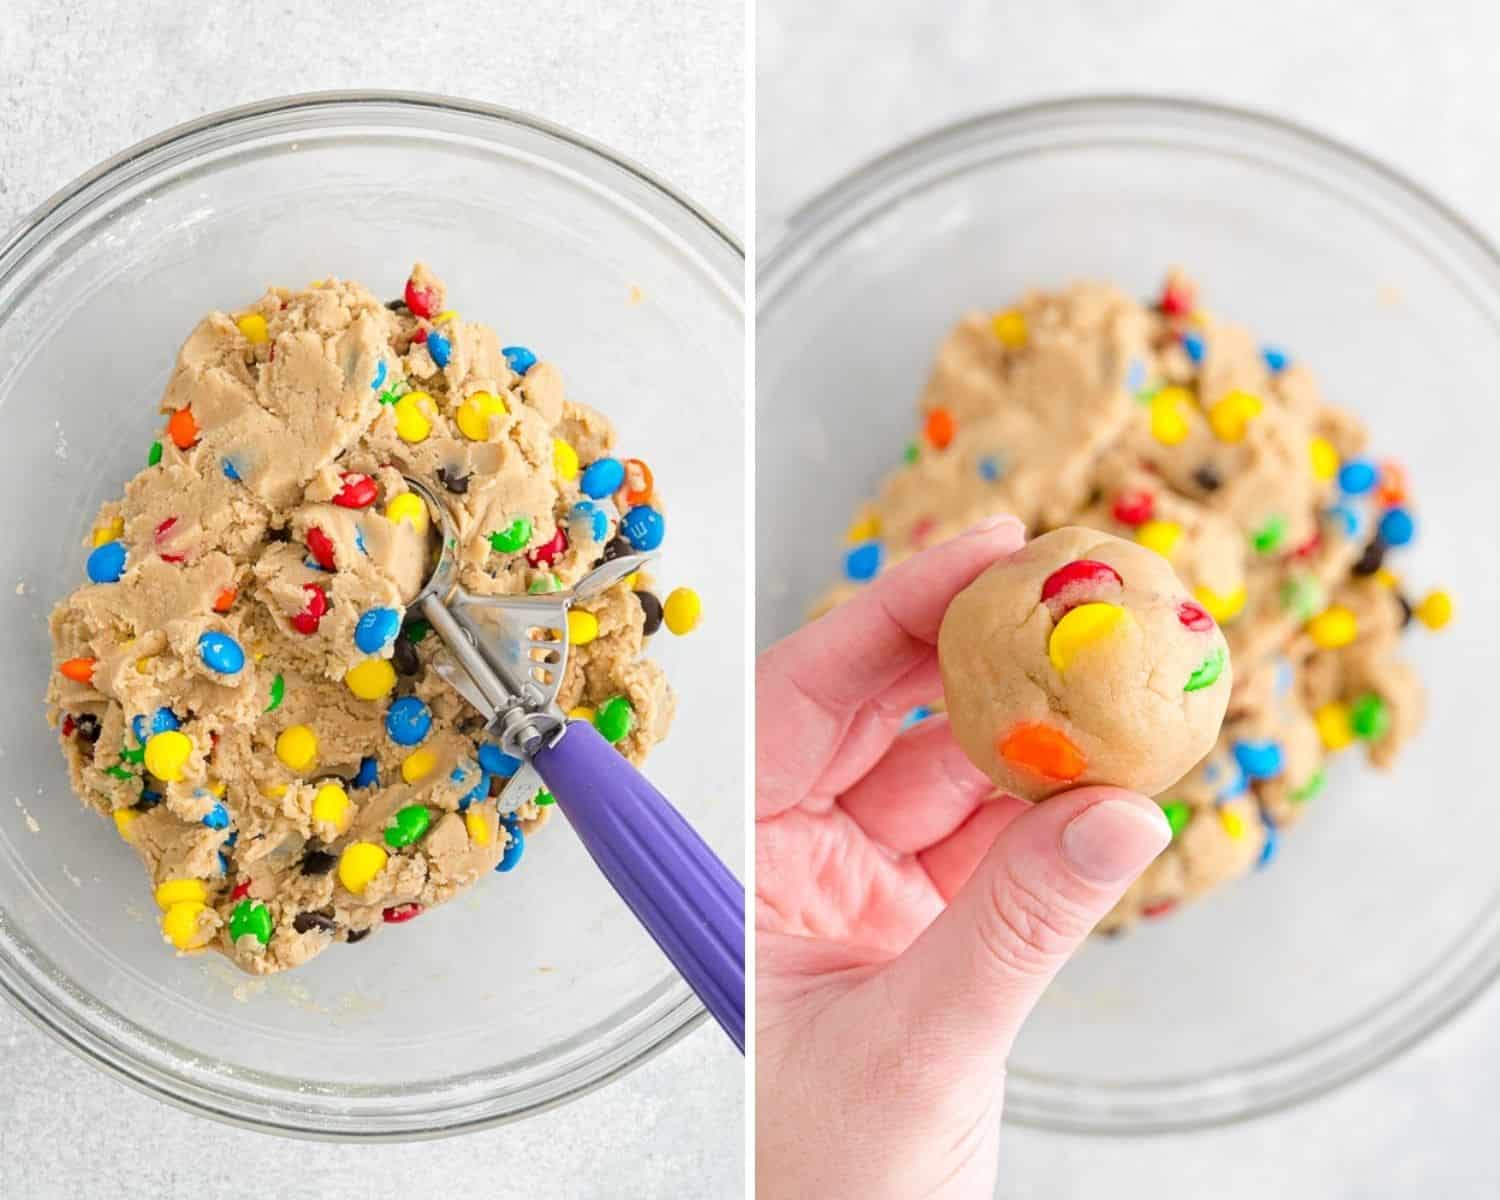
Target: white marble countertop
[[1415, 85], [659, 81]]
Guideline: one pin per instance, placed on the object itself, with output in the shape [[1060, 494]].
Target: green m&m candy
[[614, 719], [411, 823], [250, 917]]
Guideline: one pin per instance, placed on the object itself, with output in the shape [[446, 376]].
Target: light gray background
[[658, 80], [1414, 84]]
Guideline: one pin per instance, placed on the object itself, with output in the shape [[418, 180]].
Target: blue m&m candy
[[1397, 527], [588, 511], [231, 472], [161, 720], [106, 563], [1268, 847], [408, 721], [520, 359], [379, 376], [863, 561], [602, 477], [1193, 344], [376, 629], [1276, 359], [479, 792], [368, 774], [1345, 515], [220, 653], [495, 761], [516, 846], [1259, 759], [643, 528], [991, 468], [1358, 476], [440, 347], [217, 817]]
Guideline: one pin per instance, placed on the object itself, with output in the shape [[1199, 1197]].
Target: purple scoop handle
[[677, 887]]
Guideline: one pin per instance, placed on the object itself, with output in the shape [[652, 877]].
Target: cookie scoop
[[1082, 659]]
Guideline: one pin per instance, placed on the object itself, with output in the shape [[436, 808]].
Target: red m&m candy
[[1194, 616], [1133, 508], [359, 491], [420, 300], [307, 620], [1077, 583], [549, 551], [320, 546]]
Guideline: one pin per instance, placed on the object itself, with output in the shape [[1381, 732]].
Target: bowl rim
[[86, 1038], [838, 211]]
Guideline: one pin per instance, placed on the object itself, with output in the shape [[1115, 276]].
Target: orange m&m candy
[[940, 427], [80, 670], [225, 600], [638, 482], [183, 429], [1044, 751]]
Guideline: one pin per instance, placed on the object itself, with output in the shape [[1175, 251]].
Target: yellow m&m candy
[[408, 507], [414, 417], [1335, 726], [564, 460], [474, 415], [124, 819], [359, 864], [331, 806], [1161, 536], [371, 679], [478, 827], [1324, 458], [1169, 409], [581, 712], [253, 326], [167, 753], [583, 627], [184, 927], [1231, 414], [175, 891], [1333, 627], [1010, 327], [1435, 610], [1223, 607], [1080, 627], [418, 765], [297, 747], [682, 611], [112, 532]]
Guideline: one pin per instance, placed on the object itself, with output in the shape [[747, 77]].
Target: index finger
[[812, 686]]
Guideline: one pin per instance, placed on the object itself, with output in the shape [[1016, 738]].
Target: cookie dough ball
[[1083, 659]]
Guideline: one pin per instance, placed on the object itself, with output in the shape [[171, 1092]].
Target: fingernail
[[1114, 840], [990, 524]]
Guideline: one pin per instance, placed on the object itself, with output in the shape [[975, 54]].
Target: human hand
[[907, 921]]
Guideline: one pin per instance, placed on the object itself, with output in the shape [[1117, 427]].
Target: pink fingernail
[[1114, 840], [990, 524]]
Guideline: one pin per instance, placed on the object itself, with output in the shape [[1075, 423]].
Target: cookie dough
[[237, 685], [1082, 659], [1164, 425]]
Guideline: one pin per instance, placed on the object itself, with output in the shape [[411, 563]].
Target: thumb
[[974, 974]]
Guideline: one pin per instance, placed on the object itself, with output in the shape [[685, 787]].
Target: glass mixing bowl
[[537, 984], [1379, 918]]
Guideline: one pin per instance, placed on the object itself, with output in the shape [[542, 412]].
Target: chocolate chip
[[318, 862], [305, 921], [457, 484], [651, 606], [1208, 478], [278, 535], [397, 306], [357, 935], [616, 547], [1372, 559], [1406, 610], [404, 657], [88, 727]]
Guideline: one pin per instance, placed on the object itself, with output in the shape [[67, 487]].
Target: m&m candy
[[614, 719], [1259, 759], [564, 460], [592, 518], [682, 611], [940, 428], [410, 824], [1357, 477], [583, 627], [376, 629], [639, 482], [79, 670], [513, 537], [440, 347], [368, 774], [496, 762], [422, 301], [1078, 582], [408, 507], [359, 864], [408, 721], [862, 562], [414, 417], [252, 919], [307, 621], [167, 754], [1009, 327], [185, 926], [1133, 508], [358, 491], [106, 563], [1195, 346], [1397, 528], [515, 845], [182, 428], [549, 551], [297, 747], [474, 414], [1081, 627], [216, 817], [1333, 627], [1043, 750], [602, 478], [418, 765], [519, 358], [372, 679], [1276, 359], [644, 528], [220, 653]]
